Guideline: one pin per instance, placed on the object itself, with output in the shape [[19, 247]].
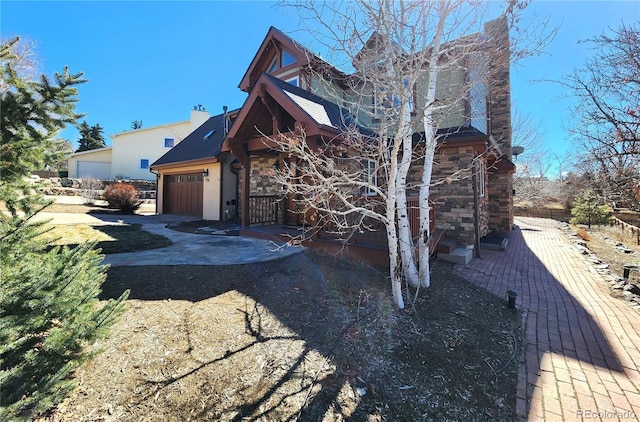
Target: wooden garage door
[[183, 194]]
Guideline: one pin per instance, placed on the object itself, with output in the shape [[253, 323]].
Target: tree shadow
[[558, 318], [303, 287], [338, 345]]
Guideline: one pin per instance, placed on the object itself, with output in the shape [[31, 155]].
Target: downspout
[[236, 172], [476, 209], [157, 186]]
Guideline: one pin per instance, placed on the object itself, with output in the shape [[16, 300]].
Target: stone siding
[[454, 203], [500, 186], [262, 177], [262, 181]]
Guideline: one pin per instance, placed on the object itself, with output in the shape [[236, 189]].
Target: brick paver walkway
[[581, 355]]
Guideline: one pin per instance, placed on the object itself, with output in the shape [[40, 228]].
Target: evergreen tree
[[90, 137], [49, 311], [586, 210]]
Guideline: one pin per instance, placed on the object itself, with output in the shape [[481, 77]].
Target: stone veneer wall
[[262, 176], [500, 186], [454, 201], [261, 182]]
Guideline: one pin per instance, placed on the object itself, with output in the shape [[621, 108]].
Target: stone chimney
[[500, 183], [199, 115], [500, 83]]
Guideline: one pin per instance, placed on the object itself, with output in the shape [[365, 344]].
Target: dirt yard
[[615, 248], [304, 338]]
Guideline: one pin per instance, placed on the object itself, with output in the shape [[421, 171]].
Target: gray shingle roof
[[323, 111], [198, 144]]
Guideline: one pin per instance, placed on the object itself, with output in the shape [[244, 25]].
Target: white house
[[133, 151]]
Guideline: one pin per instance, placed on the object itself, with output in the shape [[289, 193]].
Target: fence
[[554, 214], [374, 231], [263, 209], [627, 228]]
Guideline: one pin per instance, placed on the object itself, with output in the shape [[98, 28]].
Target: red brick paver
[[581, 357]]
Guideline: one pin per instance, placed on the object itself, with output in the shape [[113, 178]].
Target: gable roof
[[321, 115], [202, 143], [322, 111], [274, 40]]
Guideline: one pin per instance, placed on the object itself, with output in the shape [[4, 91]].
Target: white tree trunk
[[396, 277], [430, 147], [425, 230], [404, 228]]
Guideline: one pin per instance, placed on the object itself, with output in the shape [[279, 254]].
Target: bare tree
[[608, 116], [407, 59], [23, 61], [533, 177], [59, 156]]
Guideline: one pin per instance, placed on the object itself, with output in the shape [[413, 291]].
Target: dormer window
[[287, 59], [283, 59]]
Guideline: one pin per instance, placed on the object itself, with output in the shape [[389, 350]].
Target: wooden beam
[[246, 174]]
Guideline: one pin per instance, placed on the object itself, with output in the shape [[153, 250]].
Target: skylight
[[208, 135]]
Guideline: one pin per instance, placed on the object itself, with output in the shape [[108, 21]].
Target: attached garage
[[195, 178], [95, 164], [183, 194]]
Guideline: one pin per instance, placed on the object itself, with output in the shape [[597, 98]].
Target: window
[[372, 178], [384, 101], [287, 59], [295, 81], [282, 60], [274, 65], [169, 142], [144, 163], [381, 103]]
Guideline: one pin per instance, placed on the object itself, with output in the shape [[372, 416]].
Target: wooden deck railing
[[373, 231], [263, 209]]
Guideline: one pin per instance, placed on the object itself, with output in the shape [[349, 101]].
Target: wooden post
[[246, 173]]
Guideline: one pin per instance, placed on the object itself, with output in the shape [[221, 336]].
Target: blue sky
[[153, 61]]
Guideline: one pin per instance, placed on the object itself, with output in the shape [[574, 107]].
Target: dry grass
[[611, 245], [304, 338], [110, 239], [615, 247]]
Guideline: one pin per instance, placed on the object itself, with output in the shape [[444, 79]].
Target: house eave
[[178, 164], [91, 151], [126, 132]]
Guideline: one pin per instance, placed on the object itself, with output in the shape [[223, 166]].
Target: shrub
[[90, 190], [122, 196], [587, 211]]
